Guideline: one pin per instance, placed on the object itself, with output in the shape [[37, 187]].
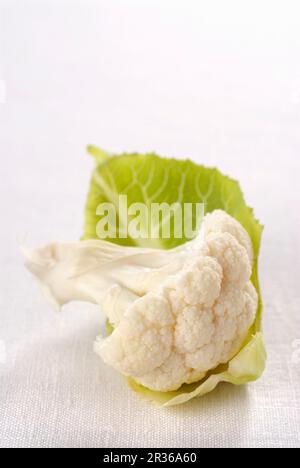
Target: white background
[[215, 81]]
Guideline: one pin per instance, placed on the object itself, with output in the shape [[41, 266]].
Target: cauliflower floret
[[201, 282], [235, 312], [232, 257], [203, 359], [169, 375], [143, 339], [219, 221], [176, 314], [197, 320], [194, 329]]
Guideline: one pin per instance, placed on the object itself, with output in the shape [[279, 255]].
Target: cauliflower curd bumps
[[197, 319]]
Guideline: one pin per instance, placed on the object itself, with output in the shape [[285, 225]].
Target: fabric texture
[[125, 91]]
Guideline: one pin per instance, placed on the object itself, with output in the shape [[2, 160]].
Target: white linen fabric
[[218, 82]]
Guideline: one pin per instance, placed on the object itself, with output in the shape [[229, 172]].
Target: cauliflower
[[176, 314]]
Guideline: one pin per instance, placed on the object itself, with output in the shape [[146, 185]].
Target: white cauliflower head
[[176, 314]]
